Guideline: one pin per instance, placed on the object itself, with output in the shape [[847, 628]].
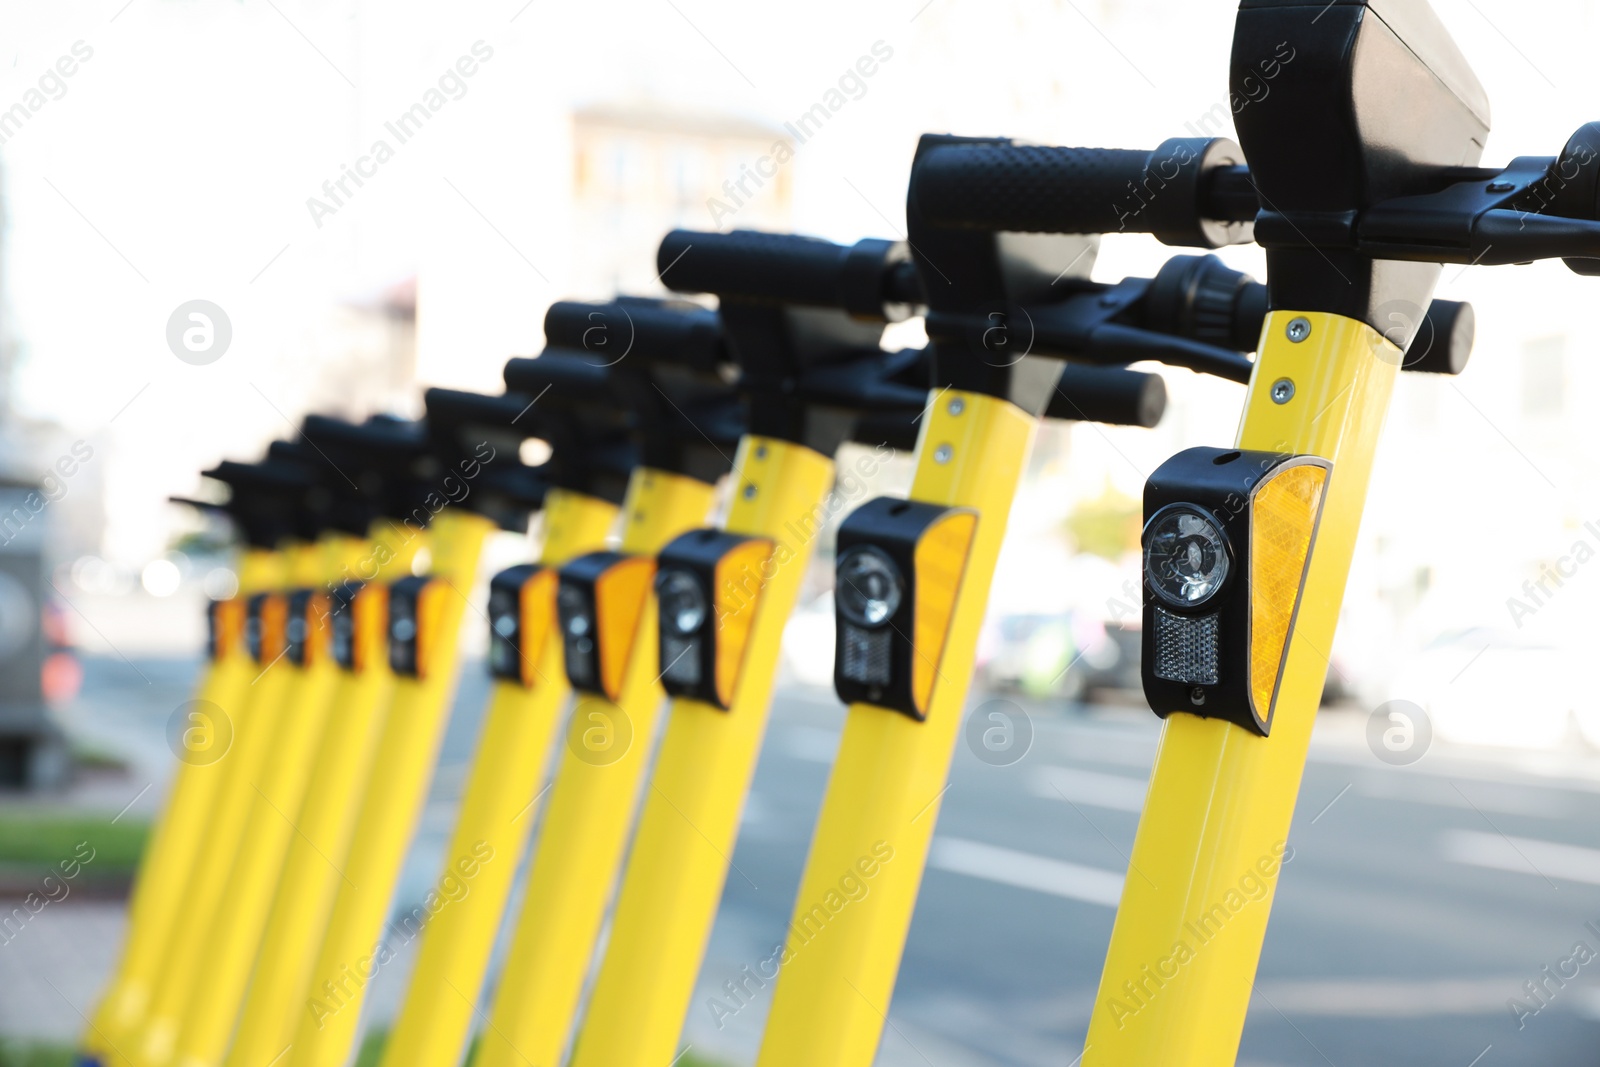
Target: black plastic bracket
[[520, 621], [346, 638], [1196, 656], [877, 658], [690, 655], [409, 628]]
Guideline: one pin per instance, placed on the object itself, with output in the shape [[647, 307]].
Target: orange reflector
[[1283, 521], [319, 632], [227, 626], [430, 609], [370, 611], [538, 608], [736, 596], [939, 561], [274, 627], [620, 596]]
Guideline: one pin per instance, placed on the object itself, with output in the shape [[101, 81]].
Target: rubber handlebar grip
[[1027, 188], [1112, 395], [781, 268], [571, 374], [455, 408], [652, 331], [1171, 192]]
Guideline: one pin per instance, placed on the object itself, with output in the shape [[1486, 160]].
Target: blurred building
[[640, 170]]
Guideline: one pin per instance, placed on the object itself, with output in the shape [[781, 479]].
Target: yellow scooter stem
[[680, 855], [311, 872], [1184, 950], [497, 814], [258, 725], [329, 1007], [838, 968], [274, 820], [590, 811], [158, 894]]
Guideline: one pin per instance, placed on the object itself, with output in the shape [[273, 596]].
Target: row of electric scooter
[[262, 913]]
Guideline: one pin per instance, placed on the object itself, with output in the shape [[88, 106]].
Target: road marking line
[[1024, 870], [1523, 855], [1382, 998], [1115, 791], [1537, 800]]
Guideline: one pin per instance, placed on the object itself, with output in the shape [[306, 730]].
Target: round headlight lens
[[869, 587], [574, 610], [1185, 556], [683, 603]]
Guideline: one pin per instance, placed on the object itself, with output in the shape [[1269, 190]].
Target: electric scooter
[[1247, 549]]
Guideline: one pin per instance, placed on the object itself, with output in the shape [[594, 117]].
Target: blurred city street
[[1418, 902], [279, 281]]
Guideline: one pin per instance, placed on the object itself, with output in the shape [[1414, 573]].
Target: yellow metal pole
[[679, 859], [256, 725], [590, 810], [1188, 933], [330, 1004], [838, 968], [311, 876], [495, 819], [164, 870], [236, 928]]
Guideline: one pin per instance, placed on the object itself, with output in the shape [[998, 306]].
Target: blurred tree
[[1106, 526]]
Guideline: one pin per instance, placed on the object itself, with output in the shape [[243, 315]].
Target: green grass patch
[[42, 840], [86, 756], [371, 1049], [28, 1054]]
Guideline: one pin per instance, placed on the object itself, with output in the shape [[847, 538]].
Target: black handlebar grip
[[784, 268], [1001, 185], [571, 374], [1111, 395], [653, 331], [1443, 344], [453, 408], [381, 443]]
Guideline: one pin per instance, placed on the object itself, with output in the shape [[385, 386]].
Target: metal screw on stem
[[942, 454], [750, 492], [1299, 329], [1282, 391], [957, 406]]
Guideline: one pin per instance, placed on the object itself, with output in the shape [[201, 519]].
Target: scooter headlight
[[1186, 556], [868, 587], [683, 602]]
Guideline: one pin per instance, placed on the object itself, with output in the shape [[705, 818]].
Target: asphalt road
[[1418, 903]]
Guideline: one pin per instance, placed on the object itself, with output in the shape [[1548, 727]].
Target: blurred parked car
[[1063, 655]]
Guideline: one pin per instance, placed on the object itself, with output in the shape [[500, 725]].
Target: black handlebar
[[653, 331], [1112, 395], [871, 279], [1199, 193], [1189, 191], [269, 500]]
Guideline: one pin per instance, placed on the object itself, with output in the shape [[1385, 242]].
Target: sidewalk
[[53, 968]]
